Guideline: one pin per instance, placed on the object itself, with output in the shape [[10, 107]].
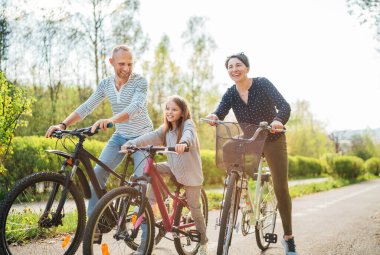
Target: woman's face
[[237, 70], [173, 112]]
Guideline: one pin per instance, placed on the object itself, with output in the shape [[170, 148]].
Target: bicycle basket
[[233, 150]]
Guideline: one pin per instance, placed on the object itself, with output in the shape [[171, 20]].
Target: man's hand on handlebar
[[53, 128], [102, 124]]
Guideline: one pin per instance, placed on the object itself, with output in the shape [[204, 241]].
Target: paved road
[[342, 221]]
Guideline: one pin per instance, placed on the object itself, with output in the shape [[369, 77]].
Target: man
[[127, 92]]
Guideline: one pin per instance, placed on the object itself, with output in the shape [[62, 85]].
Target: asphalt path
[[342, 221]]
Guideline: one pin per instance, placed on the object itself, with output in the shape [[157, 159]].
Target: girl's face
[[173, 113], [237, 70]]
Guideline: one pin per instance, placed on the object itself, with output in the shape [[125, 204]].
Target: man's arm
[[70, 120]]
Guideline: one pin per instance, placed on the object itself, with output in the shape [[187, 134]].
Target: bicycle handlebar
[[78, 132], [151, 149], [262, 126]]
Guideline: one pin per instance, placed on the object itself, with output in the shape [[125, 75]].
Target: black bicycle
[[45, 213]]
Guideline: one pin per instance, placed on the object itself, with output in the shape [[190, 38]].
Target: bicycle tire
[[268, 214], [181, 217], [228, 213], [30, 233], [114, 237]]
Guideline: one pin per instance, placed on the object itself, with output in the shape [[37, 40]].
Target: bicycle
[[44, 213], [130, 208], [245, 142]]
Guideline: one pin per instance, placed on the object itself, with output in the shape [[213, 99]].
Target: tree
[[200, 77], [306, 135], [367, 12], [4, 34], [164, 79], [363, 146], [13, 105]]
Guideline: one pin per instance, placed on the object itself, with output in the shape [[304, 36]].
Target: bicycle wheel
[[229, 214], [183, 244], [112, 222], [268, 213], [25, 227]]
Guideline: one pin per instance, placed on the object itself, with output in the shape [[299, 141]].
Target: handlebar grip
[[173, 149], [109, 125]]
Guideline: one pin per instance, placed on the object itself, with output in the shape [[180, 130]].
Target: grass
[[23, 226]]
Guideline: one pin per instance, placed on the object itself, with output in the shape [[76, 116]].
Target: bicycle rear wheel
[[229, 214], [111, 224], [26, 227], [268, 213], [183, 244]]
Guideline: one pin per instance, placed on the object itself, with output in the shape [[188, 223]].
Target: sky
[[310, 50]]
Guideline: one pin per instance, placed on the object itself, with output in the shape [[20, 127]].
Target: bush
[[300, 166], [348, 167], [372, 165]]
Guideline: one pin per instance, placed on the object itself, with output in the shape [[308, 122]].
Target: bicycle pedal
[[270, 238], [194, 235]]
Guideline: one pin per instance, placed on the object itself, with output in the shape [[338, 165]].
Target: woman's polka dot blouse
[[265, 103]]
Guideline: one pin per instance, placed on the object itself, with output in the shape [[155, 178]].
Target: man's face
[[122, 62]]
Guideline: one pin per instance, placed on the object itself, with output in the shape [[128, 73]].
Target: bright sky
[[310, 50]]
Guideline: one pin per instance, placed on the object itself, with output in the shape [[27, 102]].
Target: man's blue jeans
[[112, 158]]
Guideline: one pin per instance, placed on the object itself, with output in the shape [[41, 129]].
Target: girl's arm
[[151, 138], [189, 134]]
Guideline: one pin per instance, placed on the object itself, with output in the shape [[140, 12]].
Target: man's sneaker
[[289, 246], [203, 249]]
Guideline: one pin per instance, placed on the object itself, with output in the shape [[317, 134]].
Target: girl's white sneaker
[[203, 249]]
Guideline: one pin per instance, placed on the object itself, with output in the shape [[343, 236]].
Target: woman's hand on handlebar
[[276, 127], [212, 117]]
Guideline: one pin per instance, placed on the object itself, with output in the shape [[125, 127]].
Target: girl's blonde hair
[[183, 105]]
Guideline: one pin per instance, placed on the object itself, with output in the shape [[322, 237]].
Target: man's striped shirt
[[131, 98]]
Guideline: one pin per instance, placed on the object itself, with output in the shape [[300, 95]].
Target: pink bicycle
[[123, 219]]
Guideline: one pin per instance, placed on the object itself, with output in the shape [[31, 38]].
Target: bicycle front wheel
[[112, 222], [229, 214], [266, 223], [183, 243], [27, 224]]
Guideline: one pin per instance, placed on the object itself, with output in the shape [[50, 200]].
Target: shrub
[[347, 167], [372, 165]]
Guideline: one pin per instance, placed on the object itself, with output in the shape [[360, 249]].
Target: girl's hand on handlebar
[[276, 127], [212, 117], [180, 148]]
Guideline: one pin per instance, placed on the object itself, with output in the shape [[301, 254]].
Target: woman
[[254, 100]]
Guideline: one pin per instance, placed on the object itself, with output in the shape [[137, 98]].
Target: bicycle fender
[[82, 178]]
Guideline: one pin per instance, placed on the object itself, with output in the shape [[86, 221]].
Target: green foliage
[[300, 166], [372, 165], [306, 136], [347, 167], [14, 104], [362, 146]]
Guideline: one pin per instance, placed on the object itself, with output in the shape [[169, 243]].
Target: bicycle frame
[[155, 182], [80, 154]]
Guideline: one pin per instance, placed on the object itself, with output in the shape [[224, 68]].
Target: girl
[[178, 131]]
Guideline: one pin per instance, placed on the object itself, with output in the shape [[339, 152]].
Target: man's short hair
[[121, 47]]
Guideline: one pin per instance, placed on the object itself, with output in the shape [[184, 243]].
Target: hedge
[[347, 167], [372, 165]]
